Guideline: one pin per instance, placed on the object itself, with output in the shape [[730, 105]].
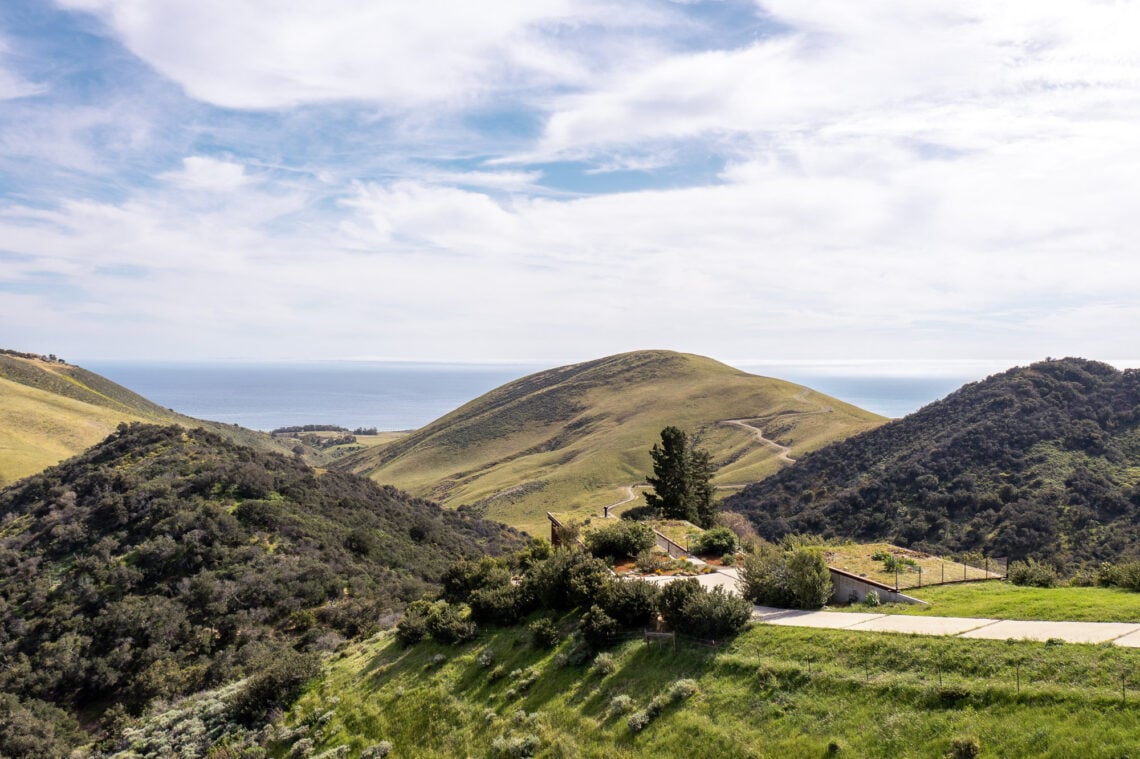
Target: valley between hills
[[173, 587]]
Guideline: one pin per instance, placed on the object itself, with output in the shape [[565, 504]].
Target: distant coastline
[[396, 395]]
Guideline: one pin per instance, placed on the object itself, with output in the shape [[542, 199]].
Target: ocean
[[404, 396]]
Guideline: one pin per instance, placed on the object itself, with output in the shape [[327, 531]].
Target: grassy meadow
[[858, 558], [1003, 600], [772, 692], [571, 440]]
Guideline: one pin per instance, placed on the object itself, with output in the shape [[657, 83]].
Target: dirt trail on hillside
[[784, 451], [629, 496]]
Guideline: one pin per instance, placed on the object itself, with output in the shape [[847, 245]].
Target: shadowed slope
[[1040, 461]]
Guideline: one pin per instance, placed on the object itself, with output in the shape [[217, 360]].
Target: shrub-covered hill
[[573, 439], [165, 560], [51, 410], [1041, 461]]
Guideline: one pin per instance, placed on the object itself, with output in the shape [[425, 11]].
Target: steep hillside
[[163, 561], [573, 439], [50, 410], [1041, 461]]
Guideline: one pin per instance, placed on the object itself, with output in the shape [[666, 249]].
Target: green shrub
[[277, 683], [632, 603], [966, 747], [637, 721], [603, 665], [796, 578], [494, 606], [623, 538], [809, 578], [673, 598], [715, 542], [597, 627], [543, 633], [566, 580], [1126, 575], [448, 623], [651, 560], [464, 577], [728, 559], [516, 745], [412, 627], [1032, 573], [764, 577], [619, 705], [688, 607]]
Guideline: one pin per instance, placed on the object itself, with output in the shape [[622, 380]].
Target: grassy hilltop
[[51, 410], [573, 439]]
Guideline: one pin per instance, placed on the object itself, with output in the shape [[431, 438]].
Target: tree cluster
[[483, 592], [681, 480], [164, 561], [1034, 462]]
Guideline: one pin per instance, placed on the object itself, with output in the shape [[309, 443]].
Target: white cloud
[[205, 173], [12, 85], [268, 54], [967, 75]]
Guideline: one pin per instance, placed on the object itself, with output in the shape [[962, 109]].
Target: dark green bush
[[622, 538], [691, 609], [543, 633], [277, 683], [448, 623], [494, 606], [715, 542], [808, 578], [1123, 575], [464, 577], [566, 580], [597, 627], [798, 578], [671, 602], [633, 603], [1032, 573], [412, 627], [31, 729]]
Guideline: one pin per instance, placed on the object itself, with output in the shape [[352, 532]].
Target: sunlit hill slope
[[574, 439], [51, 410]]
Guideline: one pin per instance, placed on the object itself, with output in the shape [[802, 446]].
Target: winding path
[[629, 496], [784, 451]]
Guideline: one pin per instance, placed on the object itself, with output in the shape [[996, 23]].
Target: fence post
[[920, 577]]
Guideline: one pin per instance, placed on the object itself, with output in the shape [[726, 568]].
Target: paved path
[[1119, 633]]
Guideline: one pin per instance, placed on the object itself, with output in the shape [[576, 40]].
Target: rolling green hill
[[574, 439], [163, 561], [50, 410], [1040, 461]]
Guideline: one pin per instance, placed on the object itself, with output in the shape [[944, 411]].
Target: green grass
[[570, 440], [857, 558], [1002, 600], [773, 692], [50, 412]]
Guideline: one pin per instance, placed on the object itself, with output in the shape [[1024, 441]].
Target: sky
[[539, 180]]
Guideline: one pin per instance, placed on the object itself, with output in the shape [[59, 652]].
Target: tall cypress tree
[[681, 479]]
